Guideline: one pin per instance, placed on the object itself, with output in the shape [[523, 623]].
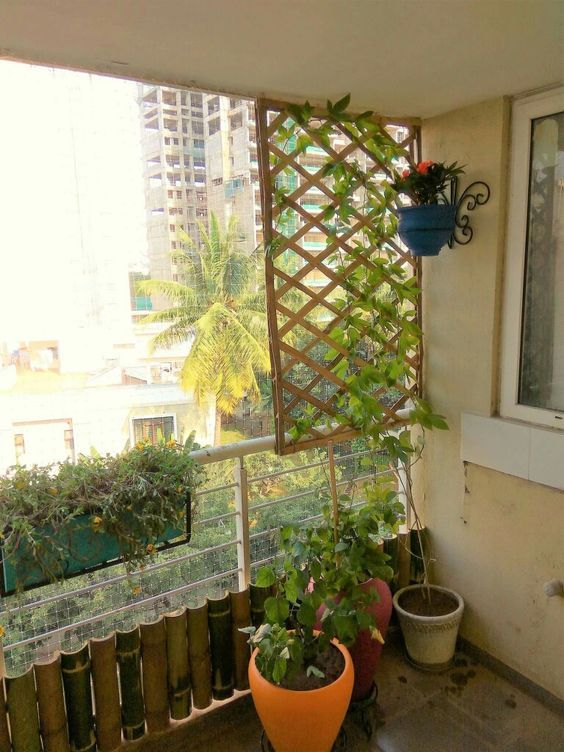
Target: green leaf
[[303, 142], [340, 369], [314, 671], [277, 610], [306, 614], [291, 589], [342, 104], [266, 576], [248, 630], [279, 669]]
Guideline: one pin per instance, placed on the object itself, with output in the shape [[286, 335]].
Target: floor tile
[[432, 727], [507, 714]]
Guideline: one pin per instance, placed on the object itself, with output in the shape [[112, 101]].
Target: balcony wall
[[497, 538]]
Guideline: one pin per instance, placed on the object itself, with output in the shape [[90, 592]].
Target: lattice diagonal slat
[[318, 254]]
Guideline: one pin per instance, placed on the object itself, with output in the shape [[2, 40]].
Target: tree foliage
[[221, 305]]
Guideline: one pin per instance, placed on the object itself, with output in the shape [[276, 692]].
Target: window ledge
[[520, 449]]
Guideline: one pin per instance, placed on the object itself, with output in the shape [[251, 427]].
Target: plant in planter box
[[427, 225], [65, 518], [301, 679]]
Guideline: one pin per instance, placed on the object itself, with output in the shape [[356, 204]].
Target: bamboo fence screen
[[115, 690], [300, 200]]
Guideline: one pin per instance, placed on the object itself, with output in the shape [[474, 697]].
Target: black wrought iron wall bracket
[[477, 194]]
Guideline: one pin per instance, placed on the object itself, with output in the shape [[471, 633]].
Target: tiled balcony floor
[[466, 709]]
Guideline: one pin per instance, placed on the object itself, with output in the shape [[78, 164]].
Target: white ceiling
[[398, 57]]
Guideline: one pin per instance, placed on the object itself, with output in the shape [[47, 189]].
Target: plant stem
[[333, 481], [407, 487]]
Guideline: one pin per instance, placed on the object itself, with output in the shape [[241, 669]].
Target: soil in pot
[[331, 663], [417, 602]]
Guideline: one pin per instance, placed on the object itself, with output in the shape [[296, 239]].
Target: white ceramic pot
[[430, 641]]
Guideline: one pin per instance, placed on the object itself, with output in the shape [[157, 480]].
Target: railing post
[[242, 523]]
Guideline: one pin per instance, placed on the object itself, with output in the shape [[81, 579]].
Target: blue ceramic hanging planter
[[426, 229], [438, 217]]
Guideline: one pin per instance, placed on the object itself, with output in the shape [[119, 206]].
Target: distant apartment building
[[48, 427], [232, 164], [174, 171]]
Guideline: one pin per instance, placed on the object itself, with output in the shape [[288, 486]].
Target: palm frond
[[222, 308]]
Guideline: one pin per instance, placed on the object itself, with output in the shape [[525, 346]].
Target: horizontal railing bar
[[119, 578], [232, 451], [120, 609], [319, 516], [215, 489], [299, 495], [305, 467], [302, 522], [262, 444], [286, 471], [217, 517], [260, 562], [281, 499]]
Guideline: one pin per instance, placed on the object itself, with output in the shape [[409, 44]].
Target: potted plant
[[347, 558], [429, 618], [427, 225], [429, 615], [301, 679], [62, 519]]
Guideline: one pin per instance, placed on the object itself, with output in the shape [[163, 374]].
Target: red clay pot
[[366, 651], [306, 721]]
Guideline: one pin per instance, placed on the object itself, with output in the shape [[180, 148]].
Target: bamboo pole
[[128, 651], [106, 692], [178, 665], [199, 653], [391, 548], [258, 597], [221, 646], [334, 498], [2, 657], [52, 715], [154, 673], [404, 560], [22, 710], [75, 668], [266, 202], [240, 617], [5, 744], [419, 551]]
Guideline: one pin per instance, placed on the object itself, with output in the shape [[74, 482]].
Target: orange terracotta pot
[[302, 721]]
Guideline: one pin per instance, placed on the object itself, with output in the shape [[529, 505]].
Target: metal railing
[[234, 532]]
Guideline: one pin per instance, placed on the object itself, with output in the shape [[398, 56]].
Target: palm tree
[[222, 305]]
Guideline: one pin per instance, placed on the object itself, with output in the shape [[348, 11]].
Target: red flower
[[423, 167], [406, 173]]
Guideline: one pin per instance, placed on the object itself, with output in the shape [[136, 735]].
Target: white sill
[[520, 449]]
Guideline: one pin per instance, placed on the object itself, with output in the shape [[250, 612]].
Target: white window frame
[[151, 417], [524, 111]]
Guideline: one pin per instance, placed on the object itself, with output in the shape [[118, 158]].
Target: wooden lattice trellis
[[317, 252]]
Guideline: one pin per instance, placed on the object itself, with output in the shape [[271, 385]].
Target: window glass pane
[[542, 346], [153, 430], [81, 352]]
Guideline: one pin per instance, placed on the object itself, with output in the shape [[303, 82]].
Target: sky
[[71, 201]]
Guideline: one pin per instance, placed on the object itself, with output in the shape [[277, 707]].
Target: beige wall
[[496, 538]]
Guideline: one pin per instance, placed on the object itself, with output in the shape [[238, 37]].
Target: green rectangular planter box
[[83, 550]]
